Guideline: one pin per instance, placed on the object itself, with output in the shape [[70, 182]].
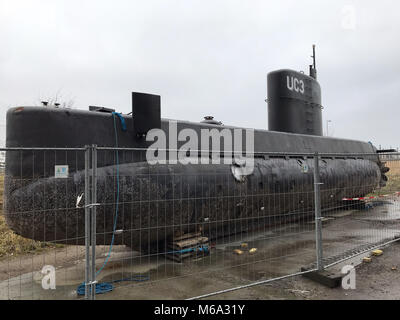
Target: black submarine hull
[[188, 197], [157, 201]]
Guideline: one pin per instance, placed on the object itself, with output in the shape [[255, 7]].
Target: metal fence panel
[[40, 223], [363, 222], [117, 225], [255, 230], [258, 230]]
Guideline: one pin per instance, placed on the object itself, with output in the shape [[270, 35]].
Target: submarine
[[149, 203]]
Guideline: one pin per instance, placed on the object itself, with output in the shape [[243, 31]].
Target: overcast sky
[[206, 57]]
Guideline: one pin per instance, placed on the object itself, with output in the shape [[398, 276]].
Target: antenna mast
[[313, 67]]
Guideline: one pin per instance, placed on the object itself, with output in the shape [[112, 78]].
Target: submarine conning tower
[[294, 101]]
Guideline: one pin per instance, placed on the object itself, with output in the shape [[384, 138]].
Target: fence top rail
[[204, 151], [389, 154], [271, 153], [265, 153], [41, 149]]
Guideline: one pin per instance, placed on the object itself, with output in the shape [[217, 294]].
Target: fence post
[[93, 220], [88, 275], [317, 205]]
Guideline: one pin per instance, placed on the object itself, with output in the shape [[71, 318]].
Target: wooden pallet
[[183, 236], [186, 242]]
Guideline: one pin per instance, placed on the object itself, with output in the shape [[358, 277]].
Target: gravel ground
[[379, 279]]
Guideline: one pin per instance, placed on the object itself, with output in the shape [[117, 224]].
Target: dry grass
[[12, 244], [394, 167], [393, 183]]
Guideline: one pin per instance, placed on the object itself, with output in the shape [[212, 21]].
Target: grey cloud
[[204, 57]]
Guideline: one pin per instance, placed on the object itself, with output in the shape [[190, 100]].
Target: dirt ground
[[279, 252], [379, 279]]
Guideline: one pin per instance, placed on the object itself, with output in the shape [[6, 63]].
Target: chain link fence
[[114, 226]]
